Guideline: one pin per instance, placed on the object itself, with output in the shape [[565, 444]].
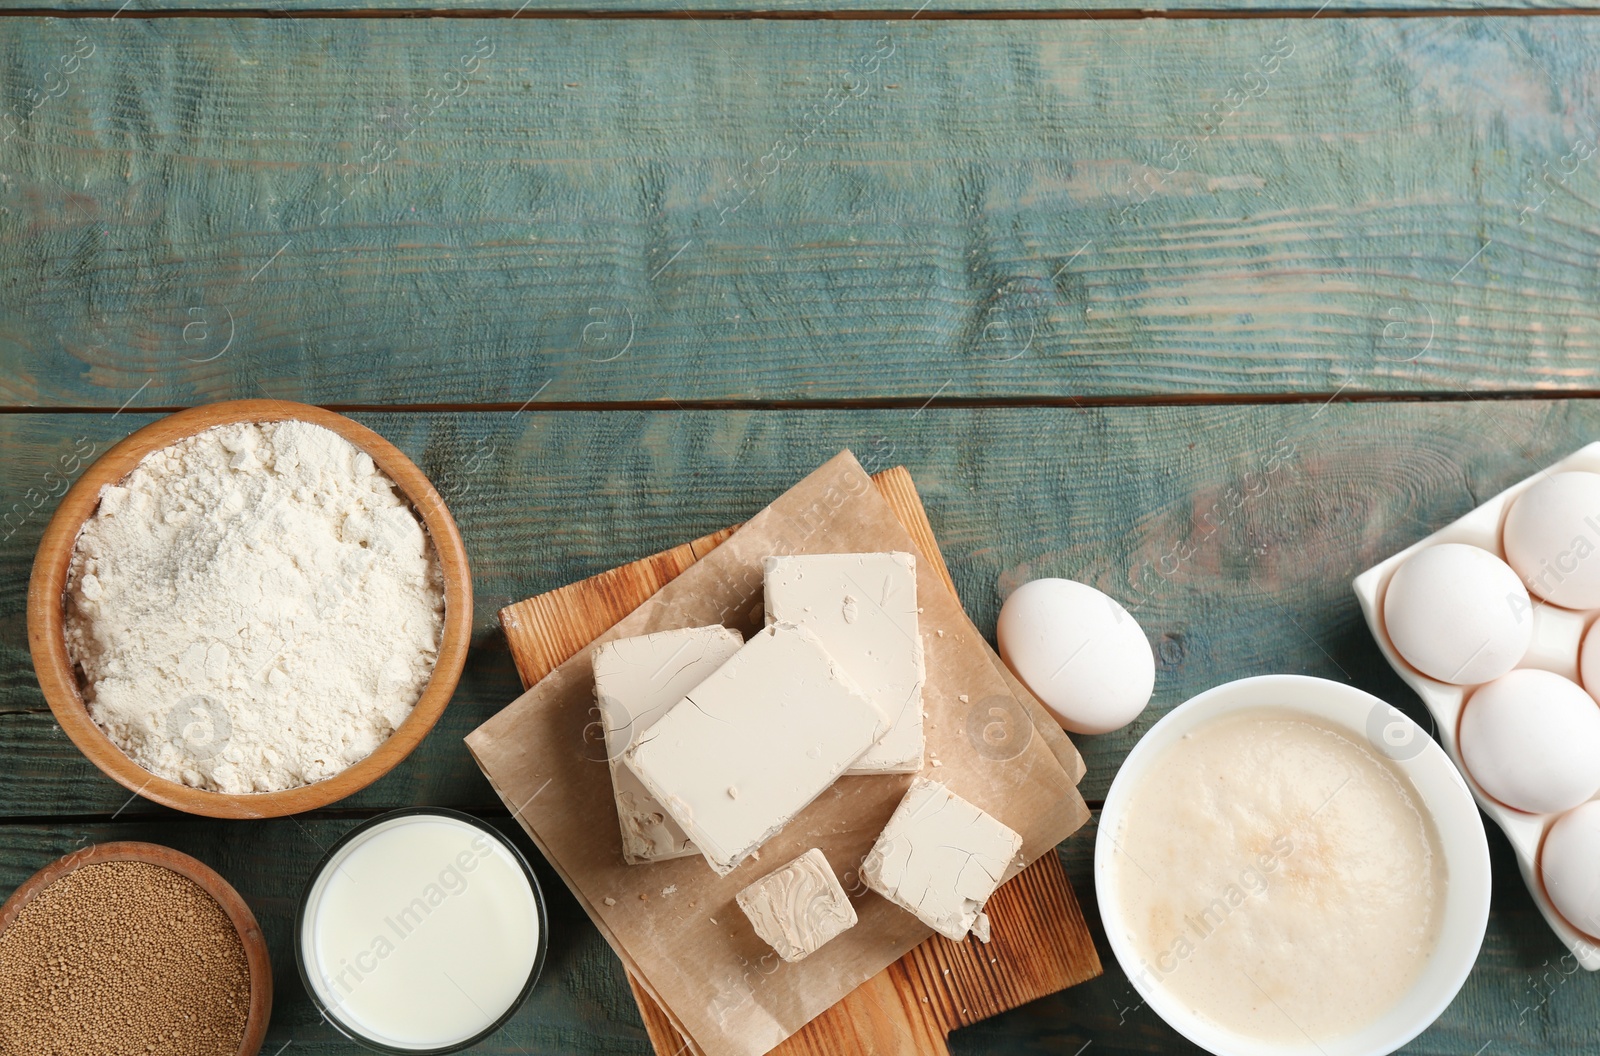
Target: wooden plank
[[544, 631], [1103, 495], [1040, 942], [705, 9], [1040, 945], [795, 210], [1521, 1000]]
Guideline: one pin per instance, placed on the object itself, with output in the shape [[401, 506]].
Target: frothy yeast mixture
[[1278, 878]]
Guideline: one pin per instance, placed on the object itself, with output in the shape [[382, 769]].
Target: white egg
[[1552, 539], [1570, 865], [1080, 653], [1458, 613], [1589, 661], [1531, 739]]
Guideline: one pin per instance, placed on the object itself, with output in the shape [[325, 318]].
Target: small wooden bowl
[[244, 921], [46, 618]]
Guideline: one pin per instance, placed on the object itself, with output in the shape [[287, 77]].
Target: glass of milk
[[421, 931]]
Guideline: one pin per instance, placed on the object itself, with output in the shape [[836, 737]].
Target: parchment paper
[[675, 923]]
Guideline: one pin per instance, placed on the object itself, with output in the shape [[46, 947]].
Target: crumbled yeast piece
[[799, 907], [940, 858], [980, 928], [863, 608], [637, 681], [779, 722]]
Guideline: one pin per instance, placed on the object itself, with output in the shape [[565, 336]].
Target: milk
[[420, 932]]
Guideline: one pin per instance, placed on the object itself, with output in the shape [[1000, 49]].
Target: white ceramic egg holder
[[1557, 636]]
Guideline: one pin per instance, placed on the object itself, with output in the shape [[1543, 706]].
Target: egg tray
[[1557, 638]]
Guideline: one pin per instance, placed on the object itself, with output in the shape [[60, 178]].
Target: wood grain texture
[[1040, 945], [1103, 495], [544, 631], [704, 9], [378, 210], [1039, 942], [1521, 999]]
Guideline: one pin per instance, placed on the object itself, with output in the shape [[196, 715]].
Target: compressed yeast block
[[940, 858], [799, 907], [752, 745], [863, 608], [636, 682]]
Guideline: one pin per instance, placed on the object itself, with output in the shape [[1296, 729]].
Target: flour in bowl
[[253, 608]]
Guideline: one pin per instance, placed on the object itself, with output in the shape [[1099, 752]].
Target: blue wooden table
[[617, 273]]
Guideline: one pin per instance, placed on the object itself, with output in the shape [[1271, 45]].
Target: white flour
[[253, 608]]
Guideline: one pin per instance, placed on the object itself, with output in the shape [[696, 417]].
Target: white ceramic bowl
[[1444, 797]]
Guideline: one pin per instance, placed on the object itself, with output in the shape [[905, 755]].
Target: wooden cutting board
[[1040, 941]]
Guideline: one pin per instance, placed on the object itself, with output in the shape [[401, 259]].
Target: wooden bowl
[[244, 921], [46, 617]]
